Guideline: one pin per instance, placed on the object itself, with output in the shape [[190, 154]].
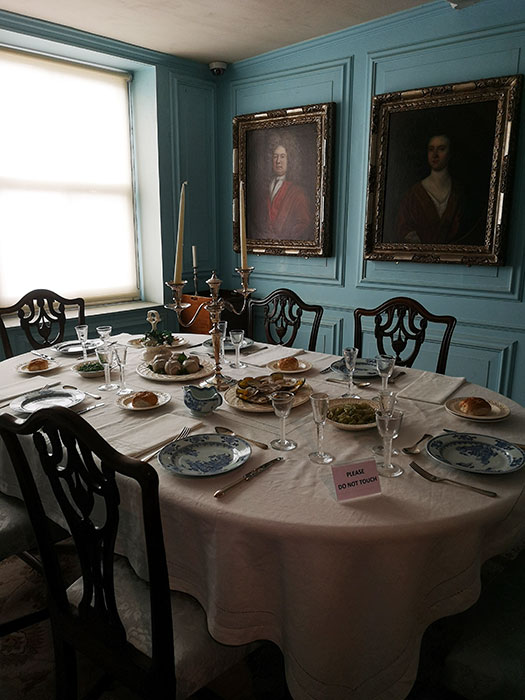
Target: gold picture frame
[[283, 157], [439, 177]]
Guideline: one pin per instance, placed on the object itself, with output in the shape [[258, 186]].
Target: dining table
[[345, 588]]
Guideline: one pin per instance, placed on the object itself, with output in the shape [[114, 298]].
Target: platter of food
[[351, 414], [38, 365], [176, 368], [88, 368], [253, 394], [144, 400], [476, 408], [480, 454], [289, 365], [159, 339]]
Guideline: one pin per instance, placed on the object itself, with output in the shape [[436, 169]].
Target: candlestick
[[242, 226], [194, 255], [177, 274]]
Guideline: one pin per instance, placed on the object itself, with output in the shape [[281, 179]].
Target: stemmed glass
[[388, 425], [319, 403], [104, 332], [82, 335], [386, 403], [350, 357], [236, 337], [121, 353], [223, 325], [282, 405], [105, 357], [385, 366]]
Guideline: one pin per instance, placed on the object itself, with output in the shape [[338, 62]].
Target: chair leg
[[65, 670]]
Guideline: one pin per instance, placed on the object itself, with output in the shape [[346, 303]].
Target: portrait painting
[[283, 157], [440, 172]]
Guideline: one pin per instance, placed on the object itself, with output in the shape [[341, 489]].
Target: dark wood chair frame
[[403, 320], [81, 467], [47, 310], [283, 309]]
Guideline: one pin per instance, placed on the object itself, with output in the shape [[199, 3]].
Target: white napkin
[[274, 352], [432, 388], [150, 434]]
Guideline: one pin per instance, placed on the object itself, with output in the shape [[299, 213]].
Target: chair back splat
[[42, 315], [400, 326], [283, 313]]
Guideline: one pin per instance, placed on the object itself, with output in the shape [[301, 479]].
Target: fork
[[183, 433], [432, 477]]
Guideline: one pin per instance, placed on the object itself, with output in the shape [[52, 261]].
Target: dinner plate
[[333, 403], [498, 410], [88, 374], [125, 401], [52, 364], [207, 368], [363, 367], [137, 342], [205, 455], [246, 343], [46, 398], [73, 347], [234, 401], [480, 454], [303, 367]]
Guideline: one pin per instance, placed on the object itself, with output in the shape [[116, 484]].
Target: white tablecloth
[[346, 589]]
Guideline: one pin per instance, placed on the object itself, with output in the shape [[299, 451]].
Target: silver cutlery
[[183, 433], [326, 370], [252, 350], [414, 449], [360, 385], [228, 431], [91, 408], [42, 354], [432, 477], [88, 393], [248, 476]]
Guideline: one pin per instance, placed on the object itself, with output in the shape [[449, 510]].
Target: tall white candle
[[242, 226], [194, 255], [177, 274]]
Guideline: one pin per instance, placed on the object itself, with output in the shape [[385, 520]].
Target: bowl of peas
[[352, 414]]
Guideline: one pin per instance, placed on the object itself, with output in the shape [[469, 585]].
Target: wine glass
[[223, 325], [319, 403], [236, 338], [350, 357], [121, 353], [105, 357], [385, 366], [388, 425], [82, 335], [282, 405], [104, 332], [386, 403]]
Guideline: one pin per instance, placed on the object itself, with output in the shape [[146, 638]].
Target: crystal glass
[[319, 402], [236, 338], [121, 354], [104, 332], [282, 405], [385, 366], [82, 335], [386, 403], [105, 357], [388, 425], [223, 326], [350, 358]]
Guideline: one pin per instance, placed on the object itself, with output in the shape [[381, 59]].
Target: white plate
[[48, 397], [205, 455], [207, 368], [137, 342], [303, 367], [125, 401], [333, 403], [499, 410], [73, 347], [480, 454], [52, 364], [363, 368], [231, 398], [246, 343]]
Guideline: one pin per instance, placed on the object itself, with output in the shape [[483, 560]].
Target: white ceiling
[[209, 30]]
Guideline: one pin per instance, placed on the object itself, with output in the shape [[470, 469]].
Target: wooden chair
[[121, 623], [283, 312], [403, 322], [42, 315]]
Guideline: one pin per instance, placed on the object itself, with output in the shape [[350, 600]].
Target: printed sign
[[356, 479]]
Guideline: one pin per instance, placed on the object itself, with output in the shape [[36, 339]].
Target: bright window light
[[66, 186]]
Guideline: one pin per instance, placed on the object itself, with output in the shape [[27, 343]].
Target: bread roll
[[144, 399], [38, 364], [288, 363], [475, 406]]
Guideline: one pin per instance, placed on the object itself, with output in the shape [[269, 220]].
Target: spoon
[[227, 431], [94, 396], [414, 449]]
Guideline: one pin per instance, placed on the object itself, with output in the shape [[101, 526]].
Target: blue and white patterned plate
[[205, 455], [363, 368], [480, 454], [246, 343]]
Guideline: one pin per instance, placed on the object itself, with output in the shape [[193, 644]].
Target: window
[[66, 186]]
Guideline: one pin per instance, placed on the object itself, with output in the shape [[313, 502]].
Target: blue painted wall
[[432, 45]]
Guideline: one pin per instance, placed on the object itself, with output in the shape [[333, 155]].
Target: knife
[[90, 408], [248, 476]]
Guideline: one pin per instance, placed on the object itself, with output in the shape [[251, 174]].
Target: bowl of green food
[[352, 414], [89, 368]]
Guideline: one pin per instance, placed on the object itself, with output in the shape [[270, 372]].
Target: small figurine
[[153, 317]]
